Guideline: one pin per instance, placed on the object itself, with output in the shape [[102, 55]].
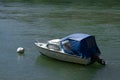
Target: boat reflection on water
[[67, 70]]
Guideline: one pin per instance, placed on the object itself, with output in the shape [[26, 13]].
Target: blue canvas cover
[[82, 45]]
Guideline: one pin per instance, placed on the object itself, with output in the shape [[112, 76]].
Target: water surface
[[22, 21]]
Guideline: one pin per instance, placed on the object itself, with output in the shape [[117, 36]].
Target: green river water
[[23, 21]]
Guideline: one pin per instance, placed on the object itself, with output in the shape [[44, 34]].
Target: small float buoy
[[20, 50]]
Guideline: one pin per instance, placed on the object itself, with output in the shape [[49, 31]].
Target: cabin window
[[54, 47]]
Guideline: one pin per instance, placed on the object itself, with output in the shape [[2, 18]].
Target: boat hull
[[62, 56]]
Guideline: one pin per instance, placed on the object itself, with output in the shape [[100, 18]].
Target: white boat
[[76, 48]]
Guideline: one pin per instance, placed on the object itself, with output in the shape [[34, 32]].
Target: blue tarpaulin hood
[[76, 37], [80, 44]]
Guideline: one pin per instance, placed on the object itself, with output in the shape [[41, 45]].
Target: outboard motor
[[96, 58]]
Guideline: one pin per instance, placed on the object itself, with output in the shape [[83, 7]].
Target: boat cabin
[[79, 44]]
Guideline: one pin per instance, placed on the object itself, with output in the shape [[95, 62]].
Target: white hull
[[59, 55]]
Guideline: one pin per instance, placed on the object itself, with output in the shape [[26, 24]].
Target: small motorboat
[[76, 48]]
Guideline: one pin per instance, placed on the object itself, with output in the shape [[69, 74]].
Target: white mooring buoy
[[20, 50]]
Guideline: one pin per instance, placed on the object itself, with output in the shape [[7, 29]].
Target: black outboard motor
[[96, 58]]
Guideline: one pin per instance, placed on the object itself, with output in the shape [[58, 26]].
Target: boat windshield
[[54, 44], [53, 47]]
